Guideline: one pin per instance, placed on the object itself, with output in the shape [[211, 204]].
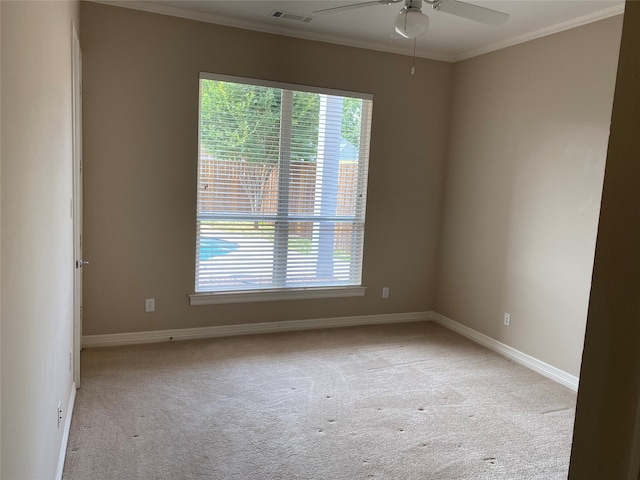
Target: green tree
[[306, 113], [352, 120], [240, 124]]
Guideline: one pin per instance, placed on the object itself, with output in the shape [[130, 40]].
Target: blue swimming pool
[[215, 247]]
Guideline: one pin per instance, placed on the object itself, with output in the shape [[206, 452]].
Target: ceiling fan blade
[[347, 7], [356, 5], [472, 12]]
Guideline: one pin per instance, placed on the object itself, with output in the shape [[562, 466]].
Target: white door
[[77, 205]]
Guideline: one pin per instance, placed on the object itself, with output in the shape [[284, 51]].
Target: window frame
[[286, 293]]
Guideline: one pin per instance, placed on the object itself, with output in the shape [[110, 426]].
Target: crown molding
[[163, 9], [544, 32]]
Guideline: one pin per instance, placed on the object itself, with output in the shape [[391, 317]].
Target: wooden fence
[[252, 188]]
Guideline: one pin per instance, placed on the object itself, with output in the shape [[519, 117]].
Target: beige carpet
[[411, 401]]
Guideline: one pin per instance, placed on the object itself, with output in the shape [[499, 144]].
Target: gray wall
[[35, 151], [524, 155], [524, 174], [36, 254], [140, 146]]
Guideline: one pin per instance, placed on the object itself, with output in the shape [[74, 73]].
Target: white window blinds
[[282, 177]]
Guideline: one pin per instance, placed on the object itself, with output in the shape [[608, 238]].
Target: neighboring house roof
[[348, 151]]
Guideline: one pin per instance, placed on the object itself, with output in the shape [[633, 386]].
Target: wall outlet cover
[[150, 305]]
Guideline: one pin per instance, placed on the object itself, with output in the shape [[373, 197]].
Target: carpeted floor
[[410, 401]]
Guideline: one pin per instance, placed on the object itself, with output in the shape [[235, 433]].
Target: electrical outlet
[[385, 292], [150, 305], [59, 414], [507, 319]]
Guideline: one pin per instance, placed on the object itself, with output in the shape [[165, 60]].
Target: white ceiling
[[449, 38]]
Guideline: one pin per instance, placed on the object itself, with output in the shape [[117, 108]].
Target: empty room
[[294, 240]]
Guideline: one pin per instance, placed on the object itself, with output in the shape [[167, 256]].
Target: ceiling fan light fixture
[[411, 22]]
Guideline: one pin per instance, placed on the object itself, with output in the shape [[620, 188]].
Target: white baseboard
[[133, 338], [65, 432], [528, 361]]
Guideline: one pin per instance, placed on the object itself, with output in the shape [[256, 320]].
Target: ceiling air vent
[[296, 17]]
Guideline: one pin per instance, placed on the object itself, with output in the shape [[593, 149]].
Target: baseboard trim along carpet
[[133, 338], [528, 361], [403, 401], [65, 433]]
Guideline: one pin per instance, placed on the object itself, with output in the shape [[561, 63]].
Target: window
[[282, 177]]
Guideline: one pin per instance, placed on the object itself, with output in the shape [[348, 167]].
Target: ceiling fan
[[411, 22]]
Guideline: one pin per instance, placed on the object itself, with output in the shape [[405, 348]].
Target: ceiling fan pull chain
[[413, 65]]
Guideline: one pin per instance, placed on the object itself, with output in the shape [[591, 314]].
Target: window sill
[[273, 295]]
